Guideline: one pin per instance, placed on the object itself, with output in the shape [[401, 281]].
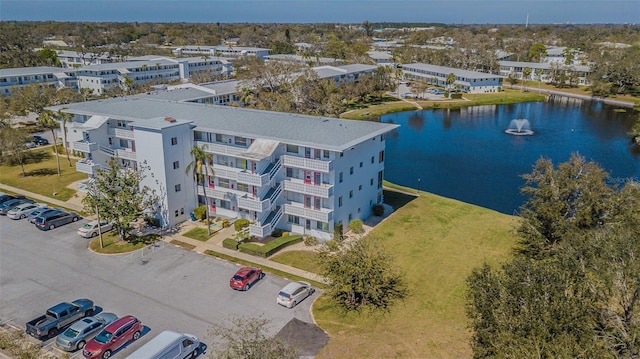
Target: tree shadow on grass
[[41, 172], [38, 156]]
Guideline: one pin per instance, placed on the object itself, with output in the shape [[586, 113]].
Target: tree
[[362, 275], [119, 197], [64, 117], [450, 79], [246, 338], [526, 73], [47, 120], [368, 28], [537, 51], [12, 145], [200, 168]]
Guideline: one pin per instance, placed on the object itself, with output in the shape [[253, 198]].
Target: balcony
[[265, 227], [126, 154], [298, 209], [260, 205], [121, 133], [222, 171], [253, 178], [84, 146], [214, 193], [88, 167], [220, 149], [299, 186], [307, 163]]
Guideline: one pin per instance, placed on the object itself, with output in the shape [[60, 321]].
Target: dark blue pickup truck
[[58, 317]]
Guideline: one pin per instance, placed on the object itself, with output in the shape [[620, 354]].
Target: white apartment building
[[299, 173], [345, 73], [75, 59], [214, 93], [46, 75], [222, 50], [542, 71], [467, 81], [102, 77]]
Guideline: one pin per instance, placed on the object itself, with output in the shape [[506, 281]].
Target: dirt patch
[[307, 338], [183, 244]]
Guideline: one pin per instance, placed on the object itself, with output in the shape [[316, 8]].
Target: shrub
[[456, 95], [230, 243], [378, 210], [199, 212], [356, 226], [277, 233], [152, 221], [337, 232], [269, 248], [311, 241], [225, 223], [285, 234], [241, 223], [333, 245]]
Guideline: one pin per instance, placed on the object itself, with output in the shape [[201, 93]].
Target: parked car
[[91, 229], [6, 206], [24, 210], [58, 317], [113, 337], [245, 277], [7, 197], [39, 212], [294, 293], [40, 141], [30, 144], [77, 335], [52, 220], [168, 344]]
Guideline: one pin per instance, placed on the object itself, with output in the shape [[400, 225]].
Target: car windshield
[[284, 294], [87, 226], [39, 220], [103, 337], [70, 333], [238, 277]]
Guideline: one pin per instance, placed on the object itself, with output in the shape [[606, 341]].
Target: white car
[[24, 210], [91, 229], [294, 293]]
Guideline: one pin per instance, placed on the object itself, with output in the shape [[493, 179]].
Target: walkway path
[[72, 205]]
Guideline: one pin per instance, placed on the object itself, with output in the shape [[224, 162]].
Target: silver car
[[294, 293], [77, 335], [91, 229], [24, 210]]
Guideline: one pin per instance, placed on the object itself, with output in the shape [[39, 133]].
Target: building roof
[[30, 71], [127, 64], [541, 65], [331, 71], [320, 132], [380, 55], [191, 92], [448, 70]]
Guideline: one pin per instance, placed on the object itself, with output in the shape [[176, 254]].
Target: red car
[[245, 277], [112, 337]]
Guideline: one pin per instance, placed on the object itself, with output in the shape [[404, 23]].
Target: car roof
[[293, 286], [119, 323], [83, 323], [245, 270]]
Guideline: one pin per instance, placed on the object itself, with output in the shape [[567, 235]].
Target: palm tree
[[450, 79], [47, 120], [199, 169], [64, 117], [526, 72]]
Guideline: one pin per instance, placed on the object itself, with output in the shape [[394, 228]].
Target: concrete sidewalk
[[41, 198], [215, 244]]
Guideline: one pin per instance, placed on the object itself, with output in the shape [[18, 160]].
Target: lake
[[466, 155]]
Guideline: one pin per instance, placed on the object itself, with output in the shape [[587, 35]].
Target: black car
[[8, 197], [6, 206], [40, 141]]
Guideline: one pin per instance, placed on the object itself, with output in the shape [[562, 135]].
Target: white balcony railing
[[298, 209], [253, 204], [87, 167], [121, 133], [126, 154], [220, 149], [298, 186], [307, 163], [83, 146]]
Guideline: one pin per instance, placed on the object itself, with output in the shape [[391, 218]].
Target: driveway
[[169, 288]]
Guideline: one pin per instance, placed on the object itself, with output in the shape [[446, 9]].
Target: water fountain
[[519, 127]]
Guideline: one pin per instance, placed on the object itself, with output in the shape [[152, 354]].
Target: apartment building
[[75, 59], [299, 173], [214, 93], [466, 81], [543, 71], [345, 73], [103, 77], [222, 50], [46, 75]]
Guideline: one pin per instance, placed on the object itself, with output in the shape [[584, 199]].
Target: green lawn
[[113, 245], [199, 234], [436, 242], [42, 175], [305, 260]]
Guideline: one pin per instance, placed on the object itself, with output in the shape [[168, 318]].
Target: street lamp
[[418, 184]]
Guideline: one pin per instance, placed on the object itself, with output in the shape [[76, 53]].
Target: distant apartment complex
[[465, 80], [55, 77], [543, 71], [222, 51], [302, 174]]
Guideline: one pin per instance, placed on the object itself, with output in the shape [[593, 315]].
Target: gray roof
[[380, 55], [191, 92], [320, 132], [30, 71], [331, 71], [128, 64], [541, 65], [448, 70]]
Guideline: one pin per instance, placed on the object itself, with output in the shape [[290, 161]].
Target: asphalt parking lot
[[169, 288]]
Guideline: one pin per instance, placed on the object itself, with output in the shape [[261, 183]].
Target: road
[[169, 288]]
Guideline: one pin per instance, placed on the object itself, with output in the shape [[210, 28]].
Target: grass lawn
[[305, 260], [436, 242], [42, 175], [113, 245], [199, 234]]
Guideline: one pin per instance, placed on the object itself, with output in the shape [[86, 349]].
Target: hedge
[[230, 243], [270, 248]]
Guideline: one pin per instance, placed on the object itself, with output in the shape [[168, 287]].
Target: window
[[325, 154], [350, 193], [361, 164], [351, 170], [360, 188], [371, 182], [350, 217], [382, 137], [322, 226], [174, 141], [219, 138], [308, 224], [292, 149], [340, 201], [293, 219], [380, 179], [223, 182], [243, 187], [182, 210], [381, 157], [225, 204], [289, 172], [241, 141], [178, 188], [340, 177], [373, 159], [176, 165], [177, 213]]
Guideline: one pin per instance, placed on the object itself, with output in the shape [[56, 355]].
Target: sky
[[327, 11]]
